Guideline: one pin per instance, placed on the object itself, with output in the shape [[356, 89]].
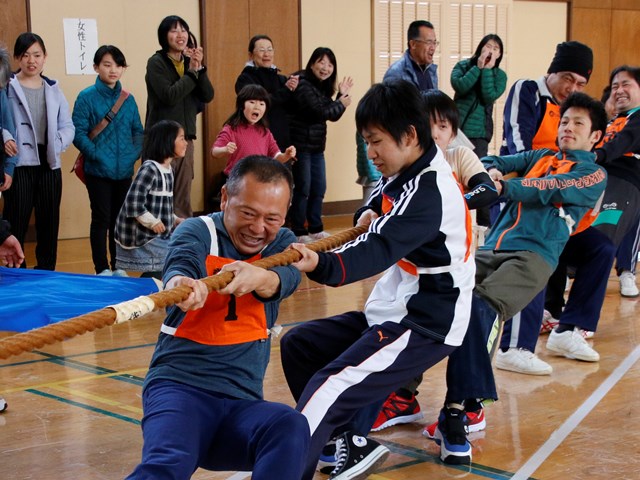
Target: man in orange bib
[[202, 397]]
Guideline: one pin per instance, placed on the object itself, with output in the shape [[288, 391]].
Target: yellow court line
[[75, 380], [98, 399]]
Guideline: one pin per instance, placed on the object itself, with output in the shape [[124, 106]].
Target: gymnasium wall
[[297, 27]]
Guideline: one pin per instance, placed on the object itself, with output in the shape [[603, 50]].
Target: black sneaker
[[357, 457], [451, 435]]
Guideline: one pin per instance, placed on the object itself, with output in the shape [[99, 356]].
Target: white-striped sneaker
[[572, 345], [521, 360]]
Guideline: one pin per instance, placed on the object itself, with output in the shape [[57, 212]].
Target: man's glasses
[[428, 43]]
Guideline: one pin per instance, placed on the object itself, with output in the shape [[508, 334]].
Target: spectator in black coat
[[314, 107]]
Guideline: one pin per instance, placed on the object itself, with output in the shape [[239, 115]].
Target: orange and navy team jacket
[[619, 150], [422, 238], [531, 118], [546, 202], [223, 347]]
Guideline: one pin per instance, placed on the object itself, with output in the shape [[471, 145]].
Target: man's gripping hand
[[248, 278], [196, 298]]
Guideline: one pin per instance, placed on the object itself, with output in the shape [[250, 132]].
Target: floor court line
[[558, 436]]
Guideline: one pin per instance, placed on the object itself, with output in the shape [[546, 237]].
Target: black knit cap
[[573, 57]]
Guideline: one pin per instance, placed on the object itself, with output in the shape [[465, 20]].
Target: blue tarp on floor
[[33, 298]]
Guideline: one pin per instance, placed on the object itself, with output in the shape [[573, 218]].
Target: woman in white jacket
[[44, 129]]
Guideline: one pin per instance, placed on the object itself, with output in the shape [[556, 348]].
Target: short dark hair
[[632, 71], [413, 31], [249, 92], [24, 42], [395, 106], [112, 50], [264, 169], [597, 113], [167, 24], [160, 141], [486, 39], [328, 86], [255, 38], [440, 105]]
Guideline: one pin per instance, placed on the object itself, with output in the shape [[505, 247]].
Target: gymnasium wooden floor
[[74, 407]]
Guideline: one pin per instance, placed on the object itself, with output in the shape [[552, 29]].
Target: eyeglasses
[[264, 50], [428, 43]]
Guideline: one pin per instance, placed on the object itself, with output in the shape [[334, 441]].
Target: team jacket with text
[[422, 237], [546, 202]]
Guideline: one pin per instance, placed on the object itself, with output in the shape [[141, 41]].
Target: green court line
[[84, 406]]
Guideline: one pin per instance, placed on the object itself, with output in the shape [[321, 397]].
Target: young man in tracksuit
[[417, 313], [531, 119], [202, 397], [546, 203]]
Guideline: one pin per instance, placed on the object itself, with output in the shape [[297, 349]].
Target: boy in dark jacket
[[417, 314]]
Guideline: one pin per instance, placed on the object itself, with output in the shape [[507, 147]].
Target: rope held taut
[[57, 332]]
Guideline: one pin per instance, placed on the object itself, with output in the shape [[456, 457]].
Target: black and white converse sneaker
[[357, 457]]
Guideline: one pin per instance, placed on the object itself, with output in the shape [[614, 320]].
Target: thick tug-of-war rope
[[136, 308]]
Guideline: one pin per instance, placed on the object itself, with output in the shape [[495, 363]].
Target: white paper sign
[[80, 44]]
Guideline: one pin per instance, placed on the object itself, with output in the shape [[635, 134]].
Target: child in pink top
[[246, 133]]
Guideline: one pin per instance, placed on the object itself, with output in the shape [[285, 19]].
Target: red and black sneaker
[[397, 410]]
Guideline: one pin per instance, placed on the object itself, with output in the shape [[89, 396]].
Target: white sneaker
[[572, 344], [548, 322], [105, 273], [119, 273], [3, 404], [628, 286], [304, 239], [319, 235], [588, 334], [521, 360]]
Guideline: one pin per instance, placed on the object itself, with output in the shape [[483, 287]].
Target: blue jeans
[[310, 184], [185, 427]]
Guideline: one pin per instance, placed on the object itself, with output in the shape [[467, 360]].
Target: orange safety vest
[[548, 131], [225, 319]]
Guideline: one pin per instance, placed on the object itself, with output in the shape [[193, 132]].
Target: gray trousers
[[510, 280]]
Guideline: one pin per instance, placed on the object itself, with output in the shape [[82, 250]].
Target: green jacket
[[172, 97], [546, 201], [475, 89]]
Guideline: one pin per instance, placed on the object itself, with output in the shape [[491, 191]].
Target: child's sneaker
[[304, 239], [357, 457], [475, 423], [3, 405], [451, 435], [397, 410], [319, 235], [119, 273]]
